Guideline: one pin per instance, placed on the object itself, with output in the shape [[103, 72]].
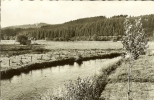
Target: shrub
[[22, 39], [81, 89]]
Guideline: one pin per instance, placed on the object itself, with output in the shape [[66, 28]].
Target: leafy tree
[[134, 38], [22, 39], [134, 43]]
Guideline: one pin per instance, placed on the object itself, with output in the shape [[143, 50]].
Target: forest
[[99, 28]]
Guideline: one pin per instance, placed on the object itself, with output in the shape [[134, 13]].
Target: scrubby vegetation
[[22, 39], [81, 89]]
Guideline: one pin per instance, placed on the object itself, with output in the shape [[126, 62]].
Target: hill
[[93, 28], [36, 25]]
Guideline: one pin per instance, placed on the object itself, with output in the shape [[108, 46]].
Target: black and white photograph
[[76, 50]]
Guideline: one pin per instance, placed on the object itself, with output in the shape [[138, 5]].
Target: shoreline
[[9, 73]]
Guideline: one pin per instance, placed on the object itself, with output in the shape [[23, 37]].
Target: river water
[[53, 77]]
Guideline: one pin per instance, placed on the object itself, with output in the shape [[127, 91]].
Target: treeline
[[95, 28]]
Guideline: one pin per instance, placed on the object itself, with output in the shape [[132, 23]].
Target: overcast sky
[[18, 12]]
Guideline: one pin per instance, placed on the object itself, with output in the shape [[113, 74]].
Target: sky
[[17, 12]]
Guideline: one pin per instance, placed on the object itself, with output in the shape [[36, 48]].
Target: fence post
[[21, 58], [59, 54], [31, 58], [41, 57], [9, 61], [0, 64]]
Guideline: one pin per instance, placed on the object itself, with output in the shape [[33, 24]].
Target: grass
[[118, 91], [112, 83], [142, 81], [14, 53], [115, 81], [81, 45], [73, 45], [11, 50], [142, 70]]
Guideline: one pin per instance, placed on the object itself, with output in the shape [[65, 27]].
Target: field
[[16, 55], [43, 51], [142, 84], [77, 44], [73, 45]]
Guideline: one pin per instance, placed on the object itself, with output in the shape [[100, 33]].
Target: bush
[[22, 39], [82, 89]]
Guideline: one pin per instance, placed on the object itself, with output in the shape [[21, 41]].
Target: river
[[28, 84]]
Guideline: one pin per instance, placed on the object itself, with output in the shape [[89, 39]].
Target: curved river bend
[[40, 80]]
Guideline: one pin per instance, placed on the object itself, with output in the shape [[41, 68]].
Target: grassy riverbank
[[16, 56], [15, 65], [89, 88], [111, 83], [142, 81]]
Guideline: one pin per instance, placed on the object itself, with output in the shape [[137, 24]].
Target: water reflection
[[51, 77], [79, 63], [76, 69]]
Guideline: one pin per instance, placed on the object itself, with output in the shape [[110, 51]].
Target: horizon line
[[74, 20]]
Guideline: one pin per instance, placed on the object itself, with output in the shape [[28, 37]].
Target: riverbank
[[89, 88], [141, 85], [31, 85], [15, 65], [112, 82]]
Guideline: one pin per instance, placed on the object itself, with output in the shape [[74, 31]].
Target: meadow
[[112, 78], [141, 84], [71, 44], [112, 82]]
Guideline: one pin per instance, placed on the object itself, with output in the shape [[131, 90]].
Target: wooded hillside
[[94, 28]]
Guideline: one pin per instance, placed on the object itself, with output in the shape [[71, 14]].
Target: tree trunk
[[129, 78]]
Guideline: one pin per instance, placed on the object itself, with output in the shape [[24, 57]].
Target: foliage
[[86, 27], [81, 89], [134, 40], [22, 39], [134, 44]]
